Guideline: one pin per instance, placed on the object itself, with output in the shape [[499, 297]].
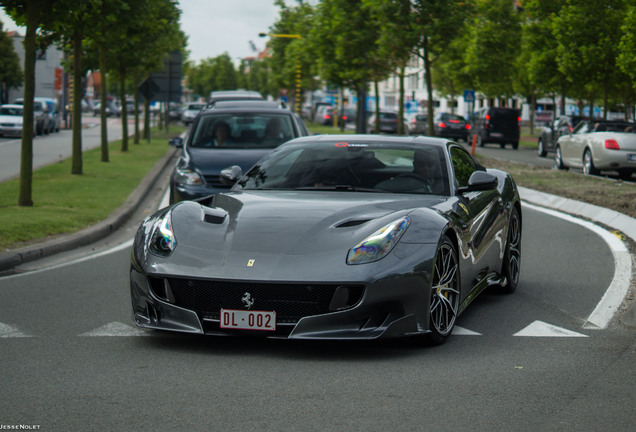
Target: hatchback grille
[[214, 181], [290, 301]]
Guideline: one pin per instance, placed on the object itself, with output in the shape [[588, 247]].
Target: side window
[[463, 166]]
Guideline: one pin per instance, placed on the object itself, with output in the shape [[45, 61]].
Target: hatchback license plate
[[248, 320], [632, 157]]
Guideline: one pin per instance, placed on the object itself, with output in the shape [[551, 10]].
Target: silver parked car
[[599, 145]]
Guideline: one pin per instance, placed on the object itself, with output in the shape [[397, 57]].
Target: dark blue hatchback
[[227, 134]]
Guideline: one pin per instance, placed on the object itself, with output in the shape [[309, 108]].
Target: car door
[[576, 144], [482, 220]]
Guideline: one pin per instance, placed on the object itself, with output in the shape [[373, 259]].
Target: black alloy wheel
[[511, 266], [445, 292]]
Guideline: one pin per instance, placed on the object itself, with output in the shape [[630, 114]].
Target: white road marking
[[541, 329], [461, 331], [116, 329], [615, 293], [8, 331]]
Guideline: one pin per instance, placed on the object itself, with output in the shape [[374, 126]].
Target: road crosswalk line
[[542, 329], [116, 328], [8, 331]]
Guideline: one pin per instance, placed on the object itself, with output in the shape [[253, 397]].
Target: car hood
[[212, 161], [283, 231]]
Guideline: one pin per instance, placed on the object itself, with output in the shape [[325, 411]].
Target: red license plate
[[248, 320]]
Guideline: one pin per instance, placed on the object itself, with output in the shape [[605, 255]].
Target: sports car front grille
[[290, 301]]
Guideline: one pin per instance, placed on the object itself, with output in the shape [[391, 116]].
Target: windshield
[[263, 130], [8, 111], [365, 167]]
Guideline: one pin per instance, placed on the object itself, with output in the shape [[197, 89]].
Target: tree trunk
[[77, 168], [400, 126], [429, 87], [103, 97], [26, 156], [376, 125], [123, 118], [136, 108]]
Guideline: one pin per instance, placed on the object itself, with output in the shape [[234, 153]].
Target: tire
[[558, 159], [515, 145], [588, 164], [445, 292], [625, 174], [541, 148], [511, 265]]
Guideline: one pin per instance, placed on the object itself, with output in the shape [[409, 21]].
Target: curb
[[16, 257]]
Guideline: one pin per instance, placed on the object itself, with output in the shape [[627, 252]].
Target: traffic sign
[[469, 96]]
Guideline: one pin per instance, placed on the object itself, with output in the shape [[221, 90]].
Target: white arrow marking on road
[[461, 331], [7, 331], [541, 329], [116, 329]]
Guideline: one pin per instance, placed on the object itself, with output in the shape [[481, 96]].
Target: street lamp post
[[298, 70]]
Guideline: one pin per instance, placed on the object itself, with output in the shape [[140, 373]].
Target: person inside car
[[221, 134]]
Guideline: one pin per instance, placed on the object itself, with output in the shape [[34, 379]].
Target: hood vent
[[352, 223], [214, 215]]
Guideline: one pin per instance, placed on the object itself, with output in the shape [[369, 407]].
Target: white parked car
[[599, 145], [11, 120]]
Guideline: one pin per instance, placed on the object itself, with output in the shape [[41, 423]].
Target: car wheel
[[588, 164], [515, 145], [480, 141], [445, 291], [502, 145], [541, 148], [625, 174], [558, 159], [511, 266]]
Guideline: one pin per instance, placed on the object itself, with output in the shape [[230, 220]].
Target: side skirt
[[490, 280]]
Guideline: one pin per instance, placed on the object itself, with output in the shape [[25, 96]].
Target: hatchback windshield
[[264, 130], [11, 111]]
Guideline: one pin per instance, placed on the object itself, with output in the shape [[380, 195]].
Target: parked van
[[497, 125]]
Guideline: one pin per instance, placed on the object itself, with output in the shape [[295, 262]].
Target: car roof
[[369, 138], [247, 105]]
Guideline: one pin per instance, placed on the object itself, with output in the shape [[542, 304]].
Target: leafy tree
[[32, 14], [437, 23], [344, 38], [588, 42], [396, 40], [10, 70], [494, 46], [293, 54]]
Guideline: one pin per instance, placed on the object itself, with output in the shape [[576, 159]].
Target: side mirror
[[230, 175], [176, 141], [480, 181]]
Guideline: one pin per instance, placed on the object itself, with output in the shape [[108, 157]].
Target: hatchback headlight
[[162, 239], [378, 244], [188, 177]]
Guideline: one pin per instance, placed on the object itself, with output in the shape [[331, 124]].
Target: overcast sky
[[217, 26]]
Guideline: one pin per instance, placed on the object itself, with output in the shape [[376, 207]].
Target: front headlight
[[378, 244], [162, 239], [188, 177]]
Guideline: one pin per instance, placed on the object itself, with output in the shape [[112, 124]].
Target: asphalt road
[[72, 360], [54, 147]]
